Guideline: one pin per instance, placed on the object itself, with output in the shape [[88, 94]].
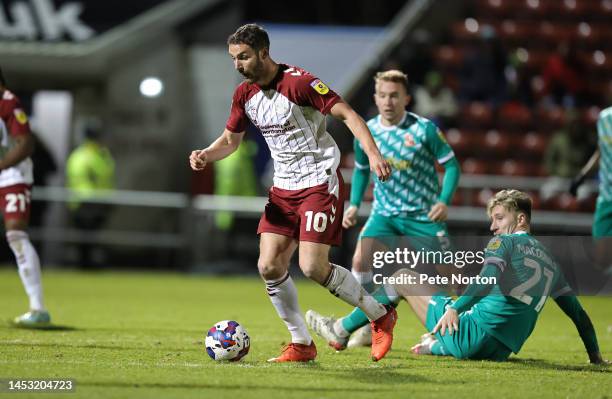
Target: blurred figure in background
[[483, 71], [563, 76], [90, 168], [565, 155], [435, 101], [16, 181], [235, 175]]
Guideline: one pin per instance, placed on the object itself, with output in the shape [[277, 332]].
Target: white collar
[[387, 128]]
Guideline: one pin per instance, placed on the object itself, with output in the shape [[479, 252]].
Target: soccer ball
[[227, 340]]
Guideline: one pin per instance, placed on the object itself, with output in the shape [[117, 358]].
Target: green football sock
[[357, 318]]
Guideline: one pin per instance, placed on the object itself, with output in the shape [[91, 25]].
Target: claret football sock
[[28, 264], [283, 294]]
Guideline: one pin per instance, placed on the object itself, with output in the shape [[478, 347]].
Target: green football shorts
[[471, 341], [420, 234]]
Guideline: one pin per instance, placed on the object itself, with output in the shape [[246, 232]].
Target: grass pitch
[[141, 336]]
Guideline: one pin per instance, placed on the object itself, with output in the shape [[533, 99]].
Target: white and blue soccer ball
[[227, 340]]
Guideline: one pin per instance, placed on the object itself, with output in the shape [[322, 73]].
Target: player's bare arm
[[221, 148], [21, 149], [357, 126]]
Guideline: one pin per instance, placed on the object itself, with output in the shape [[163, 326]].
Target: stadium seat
[[461, 141], [514, 116], [550, 118], [448, 57], [473, 166], [514, 33], [598, 64], [533, 144], [461, 33], [483, 196], [496, 143], [511, 167], [476, 114], [565, 202], [535, 199], [588, 205]]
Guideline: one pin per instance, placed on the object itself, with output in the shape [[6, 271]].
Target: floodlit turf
[[141, 336]]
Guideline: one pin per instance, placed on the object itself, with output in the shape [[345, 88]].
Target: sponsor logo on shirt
[[319, 87], [21, 117], [494, 244], [409, 140]]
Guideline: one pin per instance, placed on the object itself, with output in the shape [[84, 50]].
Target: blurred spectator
[[567, 152], [44, 166], [519, 80], [235, 175], [482, 74], [436, 101], [563, 76], [89, 169]]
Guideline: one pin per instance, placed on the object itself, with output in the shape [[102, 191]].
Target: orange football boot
[[382, 334], [296, 353]]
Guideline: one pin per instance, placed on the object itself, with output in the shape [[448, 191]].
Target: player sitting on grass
[[489, 321]]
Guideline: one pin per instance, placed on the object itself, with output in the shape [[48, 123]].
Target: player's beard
[[256, 73]]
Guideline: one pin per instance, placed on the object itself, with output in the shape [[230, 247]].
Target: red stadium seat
[[511, 167], [588, 205], [535, 199], [565, 202], [533, 144], [551, 33], [461, 141], [514, 116], [483, 196], [598, 63], [473, 166], [514, 33], [448, 57], [461, 33], [477, 114], [496, 143], [550, 118], [458, 198]]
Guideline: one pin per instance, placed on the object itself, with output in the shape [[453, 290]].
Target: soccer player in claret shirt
[[411, 204], [15, 199], [490, 321], [288, 105]]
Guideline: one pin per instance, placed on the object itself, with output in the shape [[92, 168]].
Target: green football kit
[[496, 319]]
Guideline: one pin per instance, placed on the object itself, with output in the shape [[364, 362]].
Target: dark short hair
[[2, 80], [252, 35]]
